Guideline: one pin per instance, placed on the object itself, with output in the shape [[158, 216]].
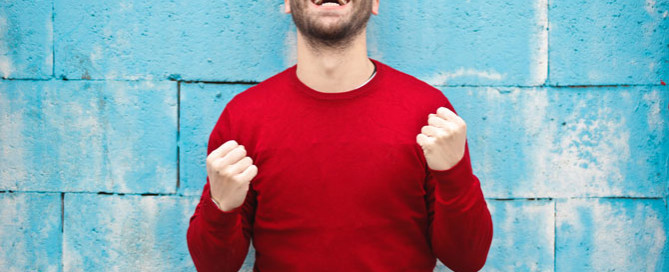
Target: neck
[[333, 70]]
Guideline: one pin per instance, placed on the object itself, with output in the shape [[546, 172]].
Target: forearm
[[461, 230], [461, 237], [216, 239]]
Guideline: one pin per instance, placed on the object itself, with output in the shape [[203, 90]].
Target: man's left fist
[[443, 139]]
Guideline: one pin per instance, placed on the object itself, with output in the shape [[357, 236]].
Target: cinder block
[[26, 39], [474, 42], [201, 106], [611, 234], [567, 142], [126, 233], [30, 232], [609, 42], [184, 39], [88, 136]]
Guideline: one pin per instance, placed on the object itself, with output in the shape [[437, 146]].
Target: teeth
[[341, 3], [330, 4]]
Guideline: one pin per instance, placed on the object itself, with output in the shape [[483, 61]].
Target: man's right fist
[[230, 172]]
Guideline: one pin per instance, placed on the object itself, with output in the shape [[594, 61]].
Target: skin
[[332, 66]]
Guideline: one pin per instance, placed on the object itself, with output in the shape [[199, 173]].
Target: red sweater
[[342, 184]]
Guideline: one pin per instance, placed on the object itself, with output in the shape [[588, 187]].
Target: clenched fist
[[443, 139], [230, 172]]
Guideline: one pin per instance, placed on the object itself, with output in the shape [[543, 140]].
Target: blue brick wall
[[106, 107]]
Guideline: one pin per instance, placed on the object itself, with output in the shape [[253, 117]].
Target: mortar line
[[487, 198], [62, 212], [575, 86]]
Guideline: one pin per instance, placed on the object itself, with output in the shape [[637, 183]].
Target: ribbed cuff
[[455, 180], [218, 218]]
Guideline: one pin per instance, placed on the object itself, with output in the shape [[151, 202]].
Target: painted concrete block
[[30, 232], [609, 42], [201, 105], [567, 142], [126, 233], [611, 234], [88, 136], [464, 42], [183, 39], [26, 39]]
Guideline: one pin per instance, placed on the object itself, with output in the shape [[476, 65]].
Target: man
[[339, 163]]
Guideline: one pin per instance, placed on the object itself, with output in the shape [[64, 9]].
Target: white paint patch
[[641, 233], [48, 60], [13, 171], [6, 66], [650, 7], [442, 78], [538, 239], [76, 125], [539, 45], [654, 115], [126, 6], [539, 149], [96, 55], [586, 157], [14, 207]]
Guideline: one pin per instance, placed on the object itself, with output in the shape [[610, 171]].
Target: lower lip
[[329, 7]]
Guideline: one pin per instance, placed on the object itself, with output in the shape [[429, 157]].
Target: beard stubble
[[335, 36]]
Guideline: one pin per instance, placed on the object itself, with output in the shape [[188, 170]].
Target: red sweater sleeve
[[217, 240], [461, 225]]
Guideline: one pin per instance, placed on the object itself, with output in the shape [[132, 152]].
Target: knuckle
[[227, 171]]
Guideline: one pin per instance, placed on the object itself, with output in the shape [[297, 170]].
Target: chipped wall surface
[[106, 108]]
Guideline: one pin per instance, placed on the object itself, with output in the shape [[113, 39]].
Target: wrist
[[218, 204]]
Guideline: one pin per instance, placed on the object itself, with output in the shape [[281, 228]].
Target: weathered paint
[[611, 234], [88, 136], [30, 234], [537, 142], [26, 39], [539, 146], [201, 105], [609, 42], [126, 233], [464, 42], [183, 39]]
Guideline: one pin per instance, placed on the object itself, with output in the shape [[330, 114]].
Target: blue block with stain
[[126, 233], [26, 33], [201, 105], [611, 234], [188, 39], [88, 136], [609, 42], [30, 232], [464, 42], [592, 142]]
